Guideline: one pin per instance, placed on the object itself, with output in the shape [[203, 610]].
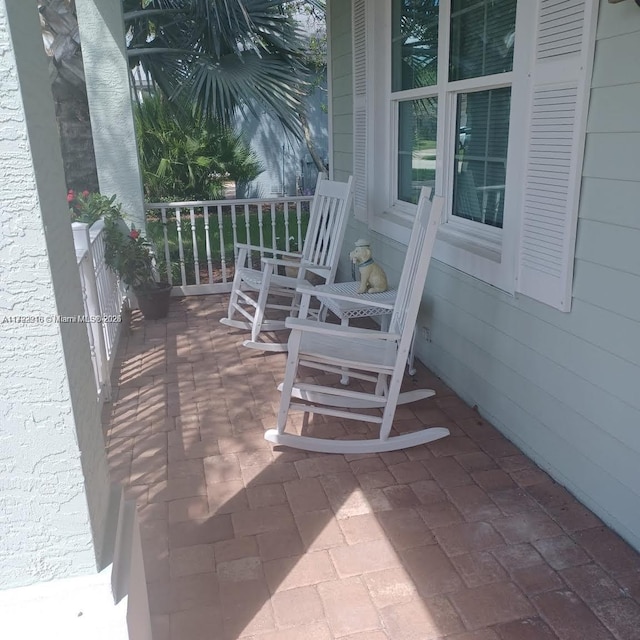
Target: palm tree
[[213, 57], [220, 57], [62, 45]]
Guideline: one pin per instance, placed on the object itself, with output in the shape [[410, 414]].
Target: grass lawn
[[422, 144]]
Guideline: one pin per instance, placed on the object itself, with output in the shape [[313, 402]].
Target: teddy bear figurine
[[372, 277]]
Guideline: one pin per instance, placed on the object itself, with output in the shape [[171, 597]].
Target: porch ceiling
[[464, 539]]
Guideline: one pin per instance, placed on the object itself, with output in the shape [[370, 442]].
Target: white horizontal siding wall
[[563, 386], [341, 90]]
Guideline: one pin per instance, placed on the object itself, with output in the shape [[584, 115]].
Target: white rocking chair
[[320, 255], [374, 356]]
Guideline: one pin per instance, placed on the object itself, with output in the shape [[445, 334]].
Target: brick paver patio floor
[[463, 539]]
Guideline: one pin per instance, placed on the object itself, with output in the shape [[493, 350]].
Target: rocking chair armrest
[[293, 265], [277, 262], [341, 296], [270, 250], [249, 247], [282, 252], [339, 330], [243, 253], [255, 247]]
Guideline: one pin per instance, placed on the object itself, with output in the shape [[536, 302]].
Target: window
[[414, 64], [482, 35], [480, 159], [485, 100], [417, 127], [482, 38], [414, 44], [482, 42]]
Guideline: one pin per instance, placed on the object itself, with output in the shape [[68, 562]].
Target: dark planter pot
[[154, 303]]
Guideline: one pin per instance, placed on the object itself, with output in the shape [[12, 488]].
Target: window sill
[[393, 224], [489, 249], [397, 225], [480, 257], [483, 258]]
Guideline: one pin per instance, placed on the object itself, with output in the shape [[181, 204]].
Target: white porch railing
[[195, 240], [103, 302]]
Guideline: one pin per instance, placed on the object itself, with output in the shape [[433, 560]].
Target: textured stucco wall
[[107, 75], [53, 475]]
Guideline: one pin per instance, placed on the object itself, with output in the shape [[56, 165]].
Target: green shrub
[[186, 157]]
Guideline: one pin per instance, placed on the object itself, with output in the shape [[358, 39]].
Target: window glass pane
[[414, 48], [482, 36], [417, 127], [482, 122]]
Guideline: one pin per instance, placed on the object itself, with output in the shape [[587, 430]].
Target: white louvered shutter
[[556, 130], [361, 131]]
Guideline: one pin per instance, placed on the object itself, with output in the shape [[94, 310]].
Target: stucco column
[[107, 74], [54, 484]]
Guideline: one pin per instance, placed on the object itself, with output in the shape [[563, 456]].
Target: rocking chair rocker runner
[[252, 290], [374, 356]]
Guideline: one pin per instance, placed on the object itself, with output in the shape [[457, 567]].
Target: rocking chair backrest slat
[[317, 244], [324, 211], [330, 223], [416, 265], [327, 221]]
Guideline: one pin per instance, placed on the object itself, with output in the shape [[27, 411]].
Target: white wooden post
[[106, 73]]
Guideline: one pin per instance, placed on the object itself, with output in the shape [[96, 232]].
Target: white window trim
[[481, 251]]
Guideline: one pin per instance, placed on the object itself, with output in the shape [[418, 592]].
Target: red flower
[[134, 233], [70, 195], [85, 194]]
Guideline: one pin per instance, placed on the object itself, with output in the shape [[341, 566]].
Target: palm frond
[[223, 56]]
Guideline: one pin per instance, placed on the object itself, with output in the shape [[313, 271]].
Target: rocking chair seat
[[346, 346], [253, 279], [344, 301]]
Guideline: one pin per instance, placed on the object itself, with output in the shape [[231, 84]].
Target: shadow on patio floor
[[464, 538]]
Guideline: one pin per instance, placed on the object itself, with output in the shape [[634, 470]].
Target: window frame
[[486, 252]]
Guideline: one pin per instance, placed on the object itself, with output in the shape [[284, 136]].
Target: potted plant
[[126, 251], [130, 255]]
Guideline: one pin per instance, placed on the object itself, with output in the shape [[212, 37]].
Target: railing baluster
[[96, 247], [299, 221], [223, 250], [109, 295], [227, 212], [207, 244], [247, 226], [194, 239], [167, 254], [183, 271], [261, 229], [95, 356], [234, 226], [273, 226], [91, 303], [287, 243]]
